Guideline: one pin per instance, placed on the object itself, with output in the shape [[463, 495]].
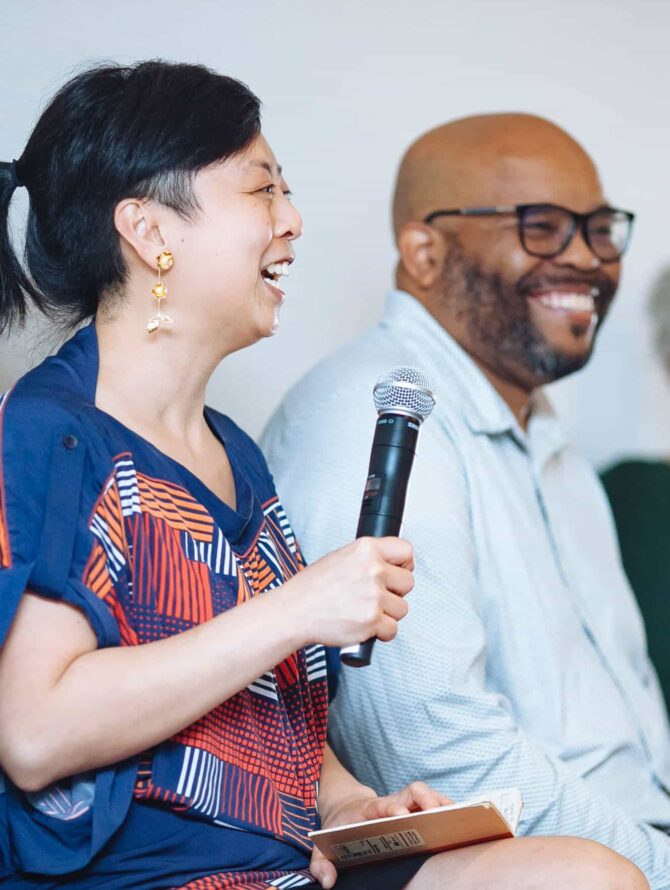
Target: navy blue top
[[94, 515]]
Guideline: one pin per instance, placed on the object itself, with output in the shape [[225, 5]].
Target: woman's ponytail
[[15, 287]]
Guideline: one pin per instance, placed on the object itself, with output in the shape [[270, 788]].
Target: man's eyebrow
[[267, 167]]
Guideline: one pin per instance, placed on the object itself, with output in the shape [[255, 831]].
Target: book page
[[508, 802]]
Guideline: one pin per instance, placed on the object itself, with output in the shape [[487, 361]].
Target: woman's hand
[[410, 799], [365, 806], [354, 593]]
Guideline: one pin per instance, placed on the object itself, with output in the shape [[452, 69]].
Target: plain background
[[346, 86]]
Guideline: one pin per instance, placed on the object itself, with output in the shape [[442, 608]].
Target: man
[[522, 661]]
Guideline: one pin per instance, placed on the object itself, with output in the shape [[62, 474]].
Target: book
[[491, 817]]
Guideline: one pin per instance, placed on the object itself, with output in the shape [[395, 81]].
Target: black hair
[[109, 133]]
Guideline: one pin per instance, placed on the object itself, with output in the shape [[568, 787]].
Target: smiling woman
[[170, 728], [172, 725]]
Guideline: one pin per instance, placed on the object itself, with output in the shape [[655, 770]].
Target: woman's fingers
[[394, 610], [387, 629], [365, 583], [419, 796], [322, 869], [385, 806], [394, 606], [411, 798], [396, 551], [398, 580]]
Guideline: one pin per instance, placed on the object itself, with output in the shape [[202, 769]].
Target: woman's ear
[[136, 223], [423, 252]]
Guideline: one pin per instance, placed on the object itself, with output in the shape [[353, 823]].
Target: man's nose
[[578, 253]]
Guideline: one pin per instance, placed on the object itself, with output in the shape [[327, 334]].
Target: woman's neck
[[152, 382]]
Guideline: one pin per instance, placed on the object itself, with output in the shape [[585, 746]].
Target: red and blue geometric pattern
[[162, 565]]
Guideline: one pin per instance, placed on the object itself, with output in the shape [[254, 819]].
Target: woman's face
[[229, 258]]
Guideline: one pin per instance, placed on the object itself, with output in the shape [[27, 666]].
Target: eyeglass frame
[[579, 221]]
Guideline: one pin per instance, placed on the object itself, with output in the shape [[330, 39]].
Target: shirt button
[[70, 442]]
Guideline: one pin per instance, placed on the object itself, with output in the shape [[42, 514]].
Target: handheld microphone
[[403, 399]]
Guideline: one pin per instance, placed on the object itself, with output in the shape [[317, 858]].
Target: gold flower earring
[[159, 292]]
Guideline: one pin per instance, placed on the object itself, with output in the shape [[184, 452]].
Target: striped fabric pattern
[[162, 565], [251, 881]]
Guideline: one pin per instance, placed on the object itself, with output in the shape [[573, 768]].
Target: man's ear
[[423, 252], [136, 223]]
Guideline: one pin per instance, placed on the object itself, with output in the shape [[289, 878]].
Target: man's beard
[[498, 318]]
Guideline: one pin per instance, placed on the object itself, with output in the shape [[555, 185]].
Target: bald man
[[523, 659]]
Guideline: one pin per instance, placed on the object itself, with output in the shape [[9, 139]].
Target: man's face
[[528, 320]]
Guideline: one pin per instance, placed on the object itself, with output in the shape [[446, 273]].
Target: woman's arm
[[66, 706], [343, 799], [338, 789]]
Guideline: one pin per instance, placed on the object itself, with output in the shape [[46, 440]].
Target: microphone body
[[403, 398], [391, 459]]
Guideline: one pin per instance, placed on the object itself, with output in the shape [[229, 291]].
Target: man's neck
[[516, 396]]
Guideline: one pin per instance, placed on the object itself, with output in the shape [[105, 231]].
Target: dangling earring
[[164, 261]]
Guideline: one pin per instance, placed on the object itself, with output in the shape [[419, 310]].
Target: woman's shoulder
[[47, 430], [42, 428], [42, 464], [58, 392]]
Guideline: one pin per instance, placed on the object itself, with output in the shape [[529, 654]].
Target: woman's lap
[[158, 848]]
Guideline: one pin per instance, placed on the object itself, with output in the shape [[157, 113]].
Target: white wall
[[346, 86]]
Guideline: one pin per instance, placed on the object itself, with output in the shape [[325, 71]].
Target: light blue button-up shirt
[[522, 660]]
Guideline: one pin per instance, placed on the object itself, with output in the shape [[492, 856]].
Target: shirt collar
[[80, 356], [545, 433], [458, 380]]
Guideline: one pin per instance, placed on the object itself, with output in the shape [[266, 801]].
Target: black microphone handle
[[391, 460]]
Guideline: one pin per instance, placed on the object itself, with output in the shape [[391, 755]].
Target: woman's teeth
[[276, 269], [569, 302]]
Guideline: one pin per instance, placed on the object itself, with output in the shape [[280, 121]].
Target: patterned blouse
[[95, 516]]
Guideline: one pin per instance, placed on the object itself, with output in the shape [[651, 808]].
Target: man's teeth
[[277, 269], [569, 302]]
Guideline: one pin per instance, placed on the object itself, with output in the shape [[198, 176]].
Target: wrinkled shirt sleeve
[[42, 517]]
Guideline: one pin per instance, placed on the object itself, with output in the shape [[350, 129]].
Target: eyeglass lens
[[546, 231]]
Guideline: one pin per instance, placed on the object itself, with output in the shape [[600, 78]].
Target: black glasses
[[545, 230]]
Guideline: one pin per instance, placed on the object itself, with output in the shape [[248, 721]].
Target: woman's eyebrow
[[264, 165]]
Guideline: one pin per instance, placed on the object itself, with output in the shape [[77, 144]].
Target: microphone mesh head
[[404, 390]]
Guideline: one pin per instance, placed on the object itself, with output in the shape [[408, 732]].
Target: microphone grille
[[404, 390]]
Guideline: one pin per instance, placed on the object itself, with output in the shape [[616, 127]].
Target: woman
[[162, 723]]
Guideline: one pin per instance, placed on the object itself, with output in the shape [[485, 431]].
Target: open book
[[490, 817]]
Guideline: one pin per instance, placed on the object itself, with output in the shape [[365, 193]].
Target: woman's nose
[[288, 222]]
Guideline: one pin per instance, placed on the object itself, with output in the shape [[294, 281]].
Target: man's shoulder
[[350, 372], [334, 400], [342, 383]]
